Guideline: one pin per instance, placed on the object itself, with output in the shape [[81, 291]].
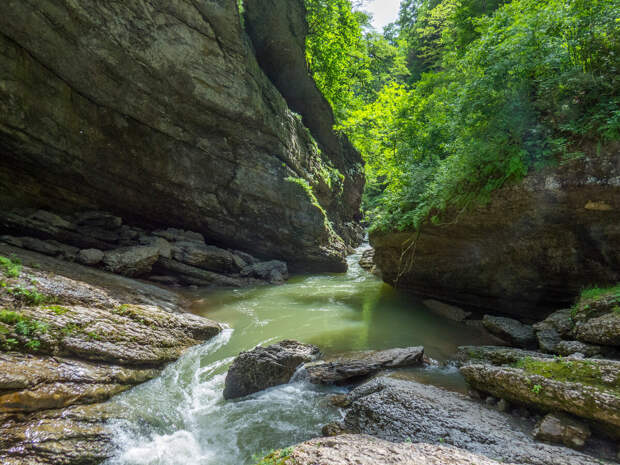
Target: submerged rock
[[398, 410], [562, 429], [265, 367], [356, 367], [511, 331], [447, 311], [359, 449]]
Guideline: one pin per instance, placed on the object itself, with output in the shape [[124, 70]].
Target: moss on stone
[[574, 371], [595, 301], [278, 457]]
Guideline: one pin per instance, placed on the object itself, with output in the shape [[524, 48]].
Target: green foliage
[[33, 344], [11, 267], [596, 292], [496, 89], [22, 326], [335, 51], [28, 296], [10, 317], [279, 457], [57, 309]]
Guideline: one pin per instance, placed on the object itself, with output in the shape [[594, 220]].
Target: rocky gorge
[[175, 206]]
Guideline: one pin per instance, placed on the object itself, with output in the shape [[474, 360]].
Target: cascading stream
[[181, 417]]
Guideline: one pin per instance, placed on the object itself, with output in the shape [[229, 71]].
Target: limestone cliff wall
[[531, 249], [157, 111]]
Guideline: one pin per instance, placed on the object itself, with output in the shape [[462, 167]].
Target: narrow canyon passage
[[182, 418]]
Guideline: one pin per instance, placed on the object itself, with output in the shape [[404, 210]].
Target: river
[[181, 418]]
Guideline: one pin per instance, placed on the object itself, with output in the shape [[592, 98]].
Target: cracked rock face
[[158, 112], [78, 345], [530, 250], [398, 410]]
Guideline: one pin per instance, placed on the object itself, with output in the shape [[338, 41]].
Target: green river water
[[181, 417]]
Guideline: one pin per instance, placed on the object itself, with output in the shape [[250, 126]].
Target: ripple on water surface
[[181, 417]]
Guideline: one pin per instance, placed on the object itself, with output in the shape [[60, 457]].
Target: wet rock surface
[[366, 450], [399, 410], [367, 261], [356, 367], [180, 257], [494, 355], [265, 367], [512, 331], [71, 337]]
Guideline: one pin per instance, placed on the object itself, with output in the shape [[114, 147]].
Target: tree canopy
[[460, 97]]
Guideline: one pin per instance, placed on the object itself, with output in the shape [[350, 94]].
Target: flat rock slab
[[75, 435], [356, 449], [359, 366], [399, 410], [495, 355], [265, 367], [29, 383]]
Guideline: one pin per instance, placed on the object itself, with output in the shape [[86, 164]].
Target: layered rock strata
[[168, 256], [71, 337], [528, 251], [159, 112]]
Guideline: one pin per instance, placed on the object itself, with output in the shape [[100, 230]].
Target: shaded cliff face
[[158, 112], [531, 249]]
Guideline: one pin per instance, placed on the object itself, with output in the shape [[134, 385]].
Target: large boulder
[[273, 271], [131, 261], [562, 429], [531, 249], [160, 114], [512, 331], [585, 388], [356, 367], [399, 410], [265, 367]]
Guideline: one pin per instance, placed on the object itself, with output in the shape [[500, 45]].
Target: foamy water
[[181, 418]]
